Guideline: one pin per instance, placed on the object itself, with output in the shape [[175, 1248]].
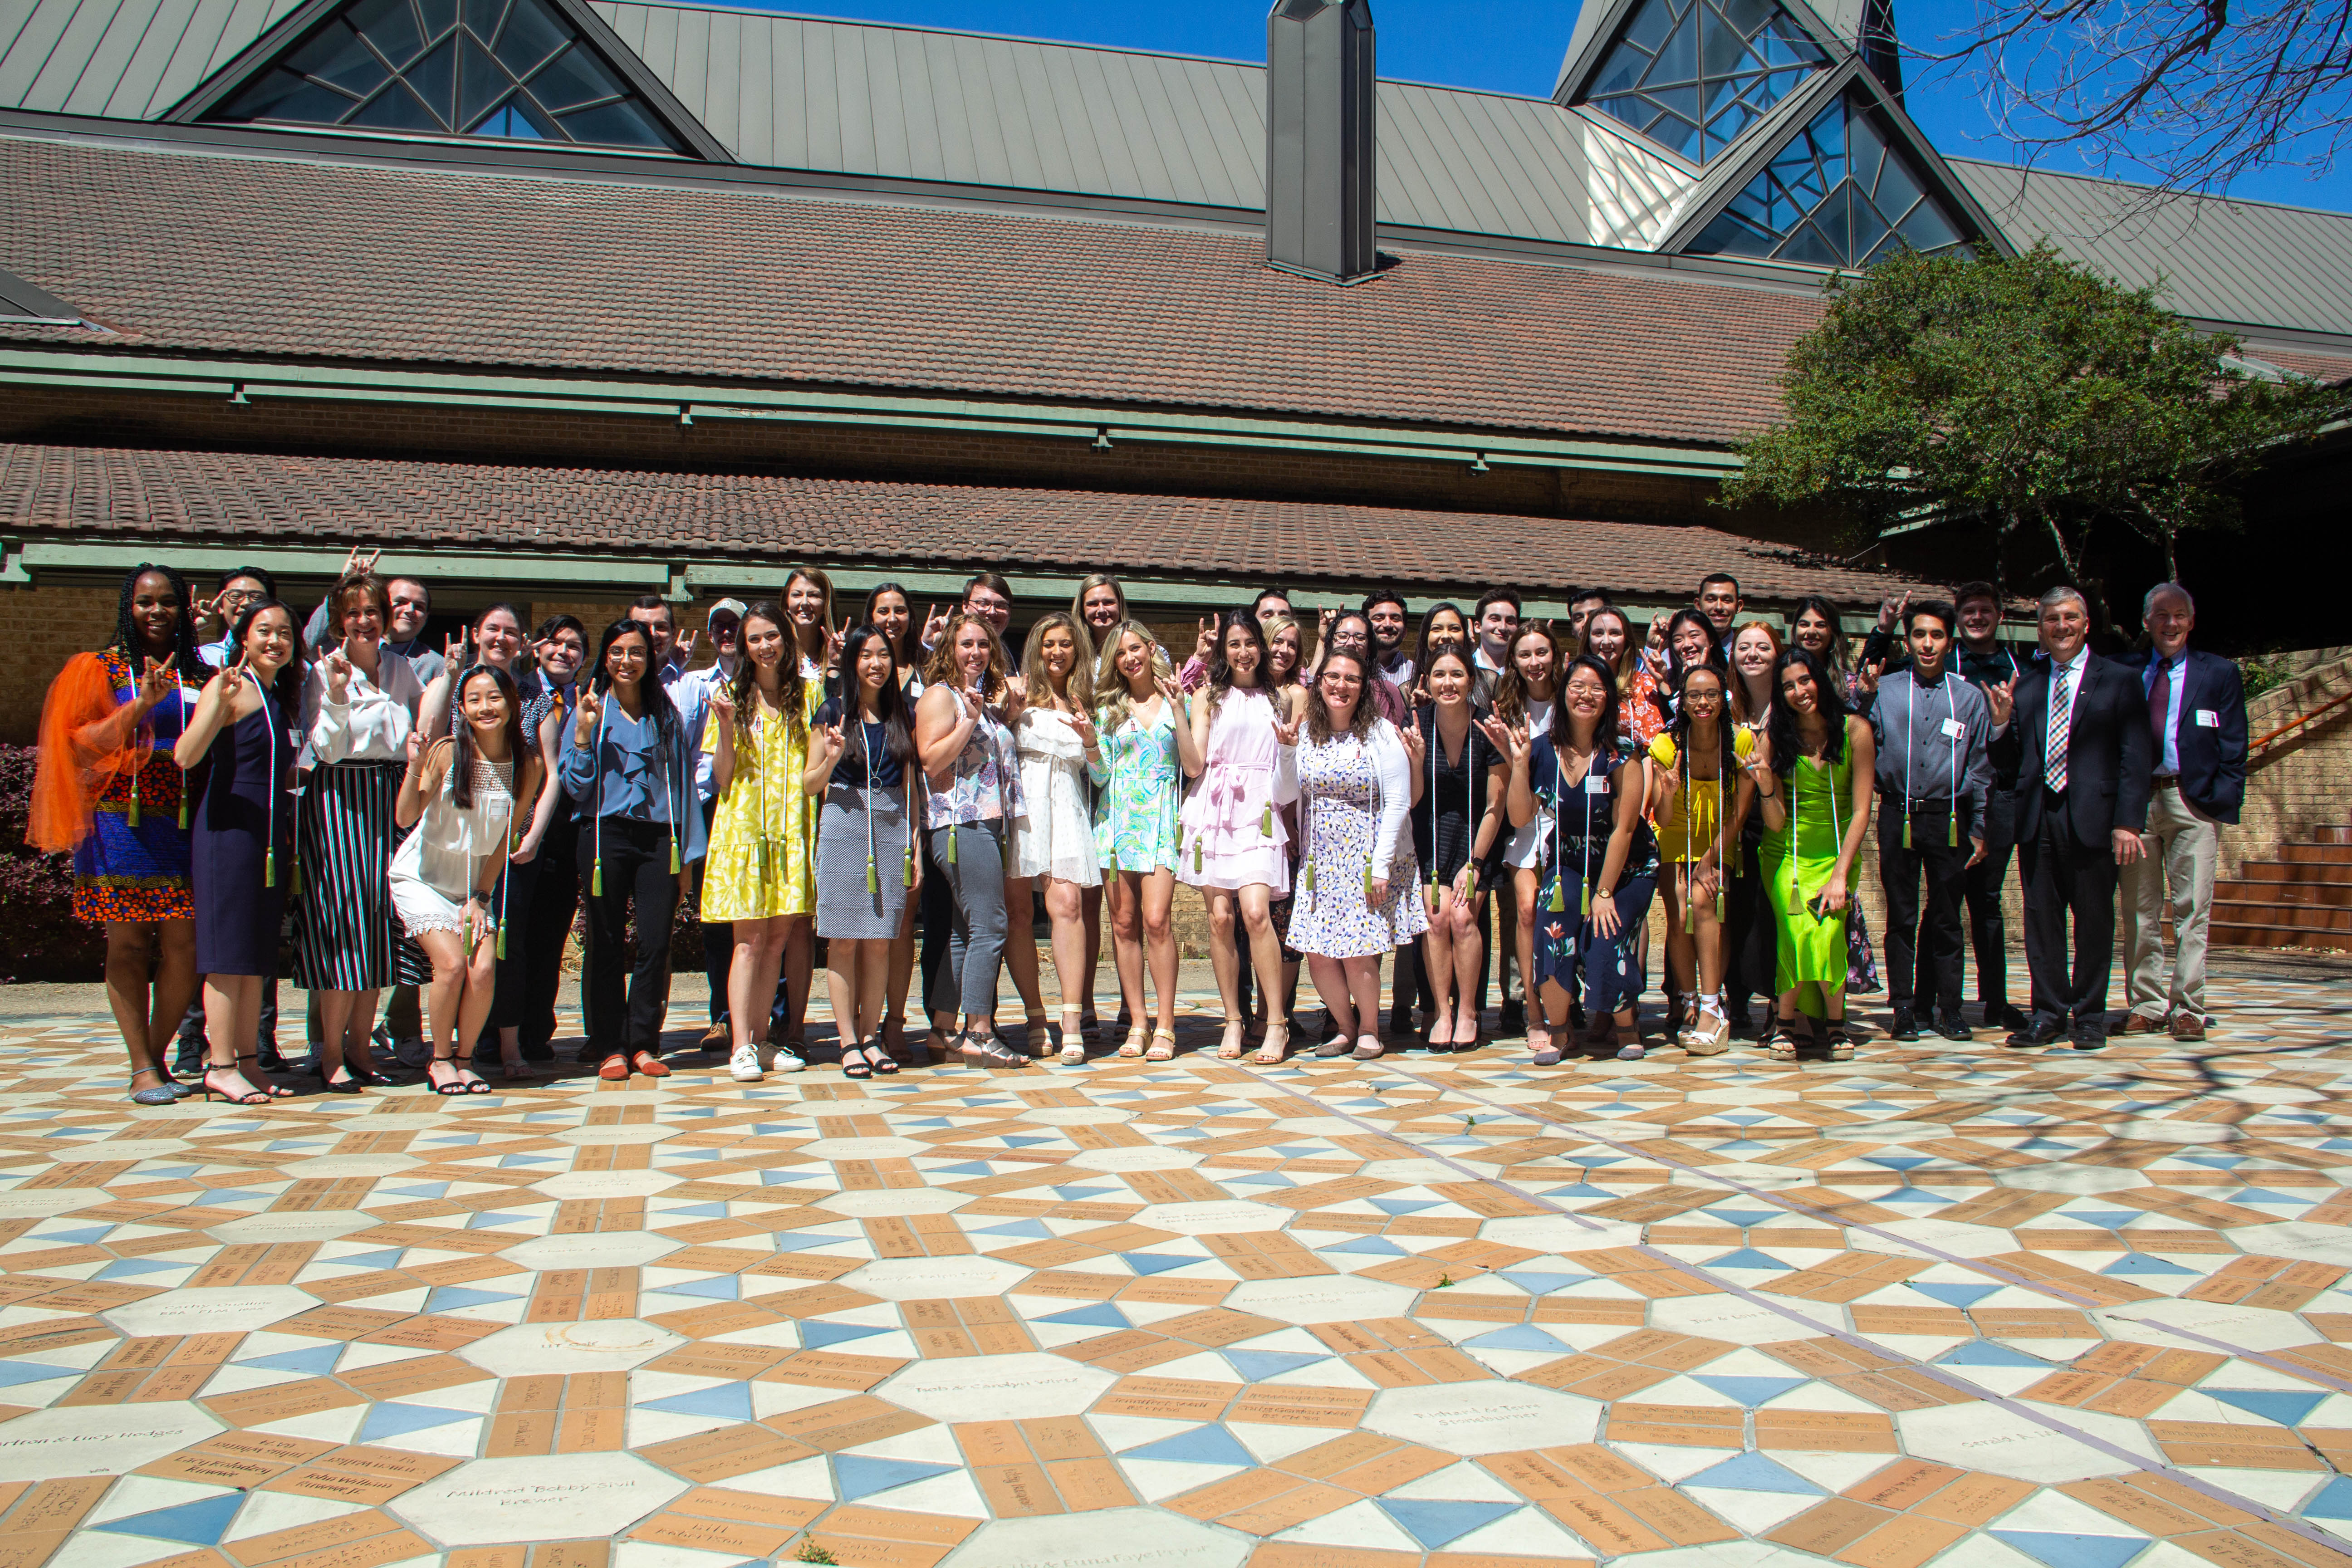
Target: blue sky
[[1497, 47]]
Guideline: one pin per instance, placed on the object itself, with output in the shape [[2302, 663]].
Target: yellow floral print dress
[[762, 861]]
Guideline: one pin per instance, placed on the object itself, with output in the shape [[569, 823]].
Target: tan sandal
[[1074, 1039], [1135, 1039], [1229, 1049], [1159, 1053], [1274, 1047]]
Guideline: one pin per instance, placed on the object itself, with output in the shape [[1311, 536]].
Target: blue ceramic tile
[[1535, 1283], [1404, 1206], [1746, 1257], [1961, 1296], [2074, 1551], [2334, 1501], [717, 1288], [1210, 1445], [128, 1268], [1750, 1390], [2285, 1407], [1984, 1353], [12, 1373], [315, 1359], [1378, 1245], [816, 1333], [1434, 1522], [1095, 1315], [1156, 1262], [2139, 1263], [199, 1523], [731, 1400], [1752, 1472], [396, 1420], [861, 1476], [1520, 1337], [1256, 1365], [449, 1298]]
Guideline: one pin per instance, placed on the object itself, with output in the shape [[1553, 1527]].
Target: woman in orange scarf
[[108, 790]]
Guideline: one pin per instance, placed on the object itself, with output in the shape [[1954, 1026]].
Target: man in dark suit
[[2078, 731], [2196, 725]]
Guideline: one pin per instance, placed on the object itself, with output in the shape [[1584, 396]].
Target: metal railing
[[2297, 722]]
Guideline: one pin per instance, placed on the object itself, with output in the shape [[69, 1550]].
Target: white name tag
[[2208, 720], [1955, 730], [1596, 784]]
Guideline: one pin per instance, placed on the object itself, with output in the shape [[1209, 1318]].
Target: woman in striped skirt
[[359, 706]]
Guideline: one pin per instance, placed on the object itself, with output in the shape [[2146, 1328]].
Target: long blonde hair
[[1111, 686], [1080, 684]]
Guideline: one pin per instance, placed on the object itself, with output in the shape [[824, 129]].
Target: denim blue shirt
[[631, 774]]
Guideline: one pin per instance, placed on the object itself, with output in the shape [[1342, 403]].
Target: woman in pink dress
[[1233, 843]]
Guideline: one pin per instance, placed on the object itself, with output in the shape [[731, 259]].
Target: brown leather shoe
[[2140, 1024], [2188, 1026], [719, 1037]]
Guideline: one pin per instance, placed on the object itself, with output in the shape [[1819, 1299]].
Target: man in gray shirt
[[1934, 779]]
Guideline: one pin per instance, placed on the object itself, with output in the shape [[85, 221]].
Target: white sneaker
[[781, 1061], [743, 1067]]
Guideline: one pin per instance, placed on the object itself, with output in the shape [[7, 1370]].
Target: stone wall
[[41, 628], [2301, 783]]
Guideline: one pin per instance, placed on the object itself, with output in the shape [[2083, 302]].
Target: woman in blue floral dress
[[1145, 753]]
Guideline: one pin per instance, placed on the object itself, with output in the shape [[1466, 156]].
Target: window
[[1839, 195], [1693, 74], [512, 68]]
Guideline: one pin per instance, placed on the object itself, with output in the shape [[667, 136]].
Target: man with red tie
[[2196, 726], [2081, 742]]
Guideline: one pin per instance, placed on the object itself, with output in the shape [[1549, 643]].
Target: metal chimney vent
[[1321, 112]]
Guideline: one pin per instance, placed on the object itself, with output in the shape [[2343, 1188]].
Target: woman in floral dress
[[1146, 751], [1359, 893]]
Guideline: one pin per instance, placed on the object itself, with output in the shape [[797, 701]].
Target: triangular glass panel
[[435, 67], [1843, 193], [1674, 58]]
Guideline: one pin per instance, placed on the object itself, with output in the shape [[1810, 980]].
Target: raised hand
[[1865, 678], [415, 747], [453, 651], [336, 665], [590, 710], [1207, 640], [1657, 638], [828, 744], [1168, 689], [1890, 611], [1287, 734], [1508, 739], [1091, 739], [2001, 698], [722, 701], [155, 683], [360, 561], [834, 640], [935, 627], [685, 641], [1415, 748]]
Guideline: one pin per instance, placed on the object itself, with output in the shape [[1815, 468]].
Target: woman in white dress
[[1357, 777], [447, 877], [1054, 843]]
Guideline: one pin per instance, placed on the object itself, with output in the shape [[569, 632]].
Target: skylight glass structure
[[1693, 74], [1837, 195], [510, 69]]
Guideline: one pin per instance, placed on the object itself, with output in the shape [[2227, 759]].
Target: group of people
[[432, 821]]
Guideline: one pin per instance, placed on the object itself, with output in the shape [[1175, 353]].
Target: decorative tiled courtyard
[[1941, 1304]]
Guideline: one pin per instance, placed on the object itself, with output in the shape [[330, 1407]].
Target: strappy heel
[[269, 1089], [853, 1062], [1041, 1035], [1159, 1053], [1074, 1039], [1274, 1046], [988, 1051], [460, 1083], [879, 1058], [249, 1096], [1136, 1037], [1229, 1048]]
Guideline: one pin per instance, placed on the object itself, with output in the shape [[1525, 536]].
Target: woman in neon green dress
[[760, 870], [1811, 782]]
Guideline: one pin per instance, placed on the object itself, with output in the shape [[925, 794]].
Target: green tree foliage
[[2026, 394]]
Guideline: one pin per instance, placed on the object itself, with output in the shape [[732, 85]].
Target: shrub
[[45, 941]]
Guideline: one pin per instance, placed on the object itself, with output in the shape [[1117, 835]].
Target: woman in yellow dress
[[760, 870], [1694, 754]]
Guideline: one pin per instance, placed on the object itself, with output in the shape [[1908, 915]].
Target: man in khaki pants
[[2197, 717]]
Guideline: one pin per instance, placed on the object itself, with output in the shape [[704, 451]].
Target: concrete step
[[2305, 873], [2255, 890], [2222, 934]]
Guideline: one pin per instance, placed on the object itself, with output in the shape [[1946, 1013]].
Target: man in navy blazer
[[2078, 732], [2197, 729]]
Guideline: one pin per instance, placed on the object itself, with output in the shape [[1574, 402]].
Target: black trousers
[[936, 909], [2062, 878], [1923, 949], [508, 1002], [1751, 953], [1986, 881], [626, 1005], [546, 927]]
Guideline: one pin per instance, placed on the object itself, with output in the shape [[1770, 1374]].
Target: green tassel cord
[[1558, 897], [596, 880], [873, 876], [501, 930], [1952, 833], [1197, 856], [133, 817], [1266, 821], [951, 844], [673, 855], [906, 869], [269, 867], [1907, 830], [1584, 904], [1306, 878], [184, 804]]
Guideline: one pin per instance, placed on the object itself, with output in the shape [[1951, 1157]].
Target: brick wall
[[2300, 784], [41, 628]]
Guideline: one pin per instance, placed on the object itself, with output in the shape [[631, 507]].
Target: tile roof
[[100, 493], [284, 256]]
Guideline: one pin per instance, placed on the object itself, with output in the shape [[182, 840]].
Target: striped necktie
[[2061, 728]]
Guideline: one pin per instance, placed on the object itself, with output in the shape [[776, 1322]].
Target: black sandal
[[251, 1096], [460, 1084], [878, 1056], [267, 1089], [853, 1062]]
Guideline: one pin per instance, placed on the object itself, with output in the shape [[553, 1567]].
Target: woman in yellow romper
[[1694, 754], [759, 869]]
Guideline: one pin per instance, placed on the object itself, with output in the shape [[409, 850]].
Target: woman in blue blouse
[[629, 764]]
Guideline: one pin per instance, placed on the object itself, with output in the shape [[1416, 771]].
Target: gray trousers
[[2178, 870], [966, 983]]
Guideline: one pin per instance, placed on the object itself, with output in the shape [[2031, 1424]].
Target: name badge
[[2208, 720], [1596, 784], [1955, 730]]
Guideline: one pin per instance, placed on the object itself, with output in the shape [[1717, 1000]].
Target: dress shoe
[[1512, 1021], [2188, 1026], [2002, 1016], [1951, 1026], [719, 1037], [2037, 1032], [2090, 1037], [2141, 1024], [1905, 1026]]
